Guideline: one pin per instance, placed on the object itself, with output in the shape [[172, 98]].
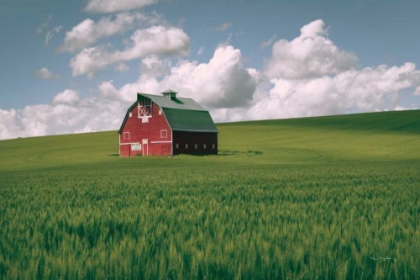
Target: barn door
[[145, 147]]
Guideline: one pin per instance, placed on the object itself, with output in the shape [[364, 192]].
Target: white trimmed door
[[145, 147]]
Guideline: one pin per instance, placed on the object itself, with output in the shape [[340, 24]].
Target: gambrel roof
[[182, 114]]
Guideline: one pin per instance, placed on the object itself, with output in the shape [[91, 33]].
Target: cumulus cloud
[[88, 31], [111, 6], [152, 66], [67, 97], [223, 82], [309, 76], [370, 89], [67, 113], [122, 67], [45, 74], [310, 55], [158, 40], [229, 90]]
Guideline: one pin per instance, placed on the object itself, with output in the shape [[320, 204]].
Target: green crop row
[[341, 222]]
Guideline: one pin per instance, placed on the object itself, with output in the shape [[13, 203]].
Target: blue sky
[[355, 56]]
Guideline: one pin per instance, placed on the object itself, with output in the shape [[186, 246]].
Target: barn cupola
[[170, 94]]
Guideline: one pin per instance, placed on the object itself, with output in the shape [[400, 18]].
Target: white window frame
[[163, 133], [126, 136], [145, 108]]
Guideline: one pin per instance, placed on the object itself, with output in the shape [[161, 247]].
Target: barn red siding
[[151, 130], [195, 142]]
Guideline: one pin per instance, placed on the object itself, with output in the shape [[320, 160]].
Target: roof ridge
[[185, 103]]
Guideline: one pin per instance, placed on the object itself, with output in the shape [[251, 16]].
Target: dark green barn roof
[[182, 114]]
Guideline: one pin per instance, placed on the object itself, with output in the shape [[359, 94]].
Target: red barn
[[166, 125]]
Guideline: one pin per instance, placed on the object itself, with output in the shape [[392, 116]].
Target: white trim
[[129, 143], [163, 133], [145, 142], [151, 110], [170, 129], [155, 142], [126, 133]]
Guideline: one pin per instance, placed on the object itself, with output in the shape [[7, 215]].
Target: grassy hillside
[[326, 197], [360, 137]]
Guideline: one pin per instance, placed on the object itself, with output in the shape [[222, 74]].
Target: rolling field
[[317, 198]]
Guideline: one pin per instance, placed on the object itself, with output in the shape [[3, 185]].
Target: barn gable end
[[167, 125]]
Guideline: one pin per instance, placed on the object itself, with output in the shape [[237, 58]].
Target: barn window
[[186, 146], [163, 133], [126, 136], [195, 146], [213, 146], [131, 114], [205, 146], [145, 107], [176, 145]]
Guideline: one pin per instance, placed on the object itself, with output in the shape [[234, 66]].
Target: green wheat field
[[314, 198]]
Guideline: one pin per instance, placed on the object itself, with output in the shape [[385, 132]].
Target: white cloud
[[310, 55], [88, 31], [111, 6], [67, 97], [200, 51], [268, 43], [223, 82], [366, 90], [45, 74], [122, 67], [152, 66], [50, 34], [68, 113], [228, 89], [158, 40], [222, 27]]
